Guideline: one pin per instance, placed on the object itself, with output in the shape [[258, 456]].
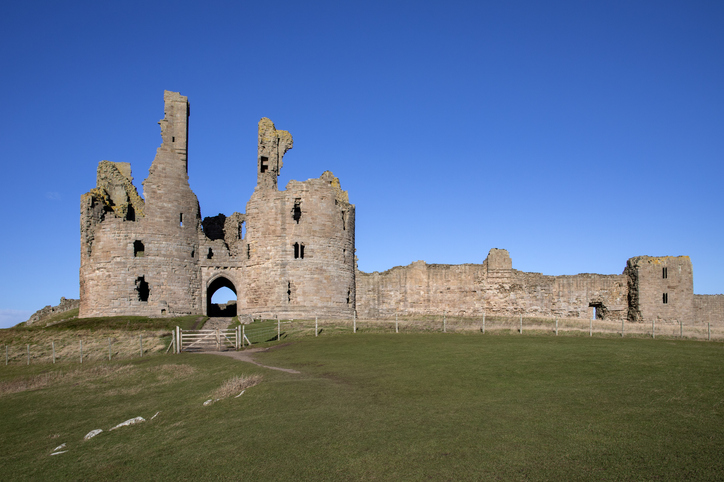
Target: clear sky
[[574, 134]]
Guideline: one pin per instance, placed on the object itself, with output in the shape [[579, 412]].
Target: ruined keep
[[292, 254]]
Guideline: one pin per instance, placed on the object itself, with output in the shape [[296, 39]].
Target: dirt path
[[245, 356], [217, 322]]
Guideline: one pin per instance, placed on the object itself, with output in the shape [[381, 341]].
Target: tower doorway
[[221, 298]]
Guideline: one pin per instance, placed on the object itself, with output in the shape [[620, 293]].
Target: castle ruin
[[292, 254]]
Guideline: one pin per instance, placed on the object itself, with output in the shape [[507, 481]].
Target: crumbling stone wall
[[493, 288], [48, 311]]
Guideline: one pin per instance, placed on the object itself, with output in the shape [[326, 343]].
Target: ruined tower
[[157, 257]]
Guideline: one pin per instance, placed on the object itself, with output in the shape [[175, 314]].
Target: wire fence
[[124, 345]]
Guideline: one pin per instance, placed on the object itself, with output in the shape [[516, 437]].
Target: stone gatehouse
[[292, 254]]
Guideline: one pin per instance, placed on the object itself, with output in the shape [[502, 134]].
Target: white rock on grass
[[92, 434], [155, 415], [58, 453], [132, 421], [62, 446]]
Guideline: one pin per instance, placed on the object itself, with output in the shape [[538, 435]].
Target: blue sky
[[573, 134]]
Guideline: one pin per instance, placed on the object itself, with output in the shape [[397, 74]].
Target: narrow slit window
[[289, 291], [181, 219], [248, 251], [210, 254], [344, 220], [349, 295], [666, 298], [264, 164], [193, 253], [173, 139], [301, 251], [665, 272], [296, 250], [138, 249]]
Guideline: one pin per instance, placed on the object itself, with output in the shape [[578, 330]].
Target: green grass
[[65, 322], [384, 407]]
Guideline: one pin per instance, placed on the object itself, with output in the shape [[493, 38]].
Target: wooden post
[[521, 324], [6, 355], [179, 341], [316, 326], [243, 335], [53, 342], [81, 352], [140, 339], [621, 327], [354, 321], [109, 348], [397, 330], [590, 328], [28, 354], [444, 322], [708, 329], [556, 326], [483, 322]]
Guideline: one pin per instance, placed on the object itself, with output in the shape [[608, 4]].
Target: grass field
[[424, 406]]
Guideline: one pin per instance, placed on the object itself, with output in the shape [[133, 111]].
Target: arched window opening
[[210, 254], [221, 298], [297, 213], [138, 249]]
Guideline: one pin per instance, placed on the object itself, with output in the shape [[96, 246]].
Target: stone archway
[[215, 309]]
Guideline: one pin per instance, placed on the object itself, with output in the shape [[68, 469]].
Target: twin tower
[[292, 253]]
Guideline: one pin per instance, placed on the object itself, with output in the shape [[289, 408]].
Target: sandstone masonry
[[293, 254]]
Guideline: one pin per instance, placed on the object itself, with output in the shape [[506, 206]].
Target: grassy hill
[[379, 407]]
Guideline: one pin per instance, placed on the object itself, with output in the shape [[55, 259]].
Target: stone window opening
[[138, 249], [666, 298], [130, 214], [264, 165], [173, 139], [344, 220], [289, 291], [297, 213], [298, 251], [142, 288], [349, 296], [665, 272], [599, 310], [248, 251], [193, 253], [241, 231], [181, 219], [210, 254]]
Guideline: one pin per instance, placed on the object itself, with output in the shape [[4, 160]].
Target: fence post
[[6, 355], [81, 352], [109, 348], [53, 342], [708, 329], [556, 326], [243, 335], [396, 327], [444, 322], [140, 339], [354, 321], [521, 324], [483, 322], [28, 354], [590, 328], [316, 326]]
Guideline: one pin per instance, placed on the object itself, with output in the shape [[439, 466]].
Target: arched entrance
[[223, 308]]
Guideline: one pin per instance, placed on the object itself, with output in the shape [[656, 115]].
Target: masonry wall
[[493, 288], [709, 309], [660, 288]]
